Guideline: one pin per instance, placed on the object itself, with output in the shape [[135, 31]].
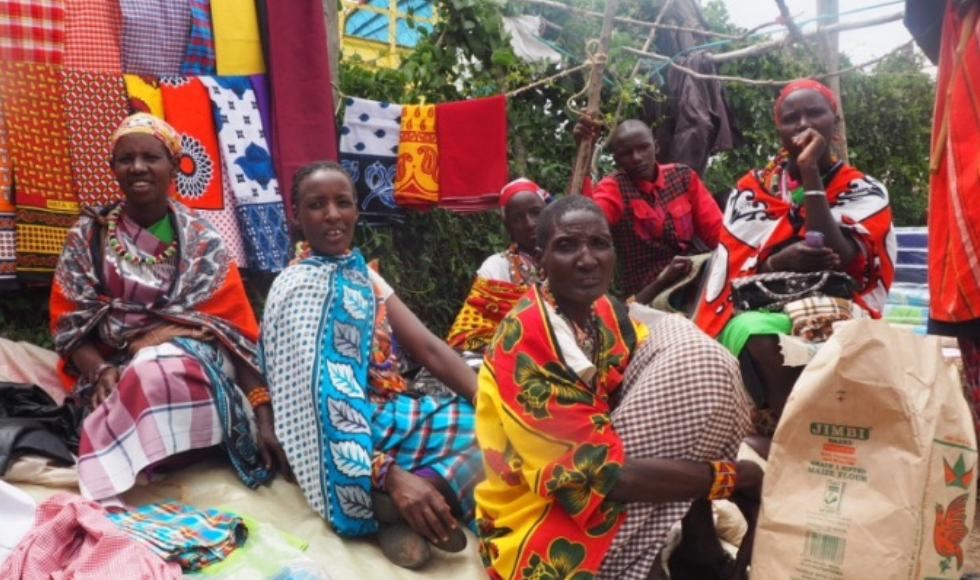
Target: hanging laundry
[[199, 57], [417, 178], [72, 538], [95, 103], [369, 153], [180, 533], [37, 133], [188, 109], [302, 104], [237, 42], [32, 31], [248, 166], [472, 138], [93, 29], [144, 95], [263, 98], [154, 35], [8, 225]]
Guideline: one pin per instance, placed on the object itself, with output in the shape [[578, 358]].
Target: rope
[[593, 57]]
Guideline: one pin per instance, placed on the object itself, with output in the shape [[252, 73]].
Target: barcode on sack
[[824, 547]]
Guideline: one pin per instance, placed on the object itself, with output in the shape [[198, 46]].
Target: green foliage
[[24, 316]]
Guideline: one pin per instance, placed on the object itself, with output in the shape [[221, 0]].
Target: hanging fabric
[[32, 31], [369, 153], [417, 179], [188, 109], [154, 35], [237, 43], [199, 57], [263, 98], [472, 138], [8, 236], [93, 29], [144, 95]]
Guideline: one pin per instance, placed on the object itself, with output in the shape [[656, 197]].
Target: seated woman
[[585, 416], [153, 327], [504, 277], [803, 189], [342, 412]]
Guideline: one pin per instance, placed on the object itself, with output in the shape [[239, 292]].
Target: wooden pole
[[831, 57], [595, 92], [330, 20]]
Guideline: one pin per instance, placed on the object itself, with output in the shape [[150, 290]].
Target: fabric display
[[93, 29], [73, 538], [144, 95], [237, 45], [32, 31], [417, 178], [250, 173], [472, 154], [199, 58], [154, 35], [369, 153], [8, 227], [180, 533]]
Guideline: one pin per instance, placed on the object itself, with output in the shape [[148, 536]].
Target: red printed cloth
[[302, 111], [92, 32], [8, 233], [32, 31], [472, 138], [96, 103], [73, 538], [188, 109], [37, 127]]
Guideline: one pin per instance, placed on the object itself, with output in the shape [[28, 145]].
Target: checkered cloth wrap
[[199, 60], [154, 36], [682, 399], [92, 32], [642, 260], [32, 31]]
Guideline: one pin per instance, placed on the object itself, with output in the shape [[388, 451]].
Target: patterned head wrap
[[802, 84], [519, 185], [150, 125]]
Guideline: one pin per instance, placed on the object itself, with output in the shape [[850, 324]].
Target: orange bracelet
[[259, 396], [723, 485]]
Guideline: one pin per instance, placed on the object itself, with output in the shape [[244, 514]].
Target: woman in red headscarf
[[505, 276], [805, 188]]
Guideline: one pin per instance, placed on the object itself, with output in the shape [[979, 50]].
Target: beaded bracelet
[[259, 396], [723, 483]]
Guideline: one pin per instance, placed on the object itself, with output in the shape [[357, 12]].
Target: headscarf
[[802, 84], [517, 186], [149, 125]]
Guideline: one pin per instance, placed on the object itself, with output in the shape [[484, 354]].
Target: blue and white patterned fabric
[[250, 174], [319, 387], [369, 152]]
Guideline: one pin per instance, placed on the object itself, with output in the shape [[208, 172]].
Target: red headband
[[519, 185], [802, 84]]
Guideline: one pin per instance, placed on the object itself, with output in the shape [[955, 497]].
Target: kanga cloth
[[303, 106], [954, 237], [472, 138], [248, 166], [96, 103], [37, 131], [550, 453], [369, 153], [237, 43], [760, 217], [327, 355], [682, 398], [417, 176], [179, 533], [198, 183], [8, 226], [199, 58], [485, 306], [144, 94], [32, 31], [154, 35], [72, 539], [260, 84], [93, 29]]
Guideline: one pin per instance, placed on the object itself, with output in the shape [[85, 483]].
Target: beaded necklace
[[587, 337], [112, 239], [523, 269]]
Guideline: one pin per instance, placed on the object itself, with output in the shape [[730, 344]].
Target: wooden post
[[330, 20], [831, 57], [595, 91]]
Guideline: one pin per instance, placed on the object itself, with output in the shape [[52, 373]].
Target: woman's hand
[[104, 386], [812, 147], [270, 450], [678, 267], [421, 504], [800, 257], [587, 128]]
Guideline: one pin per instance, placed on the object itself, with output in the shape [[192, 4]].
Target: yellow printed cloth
[[37, 129], [144, 95], [485, 306], [237, 44], [417, 176]]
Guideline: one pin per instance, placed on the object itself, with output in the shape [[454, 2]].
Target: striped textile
[[92, 32], [180, 533], [154, 35], [199, 58], [95, 103], [8, 227], [248, 166], [32, 31], [236, 38], [682, 399], [37, 130]]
